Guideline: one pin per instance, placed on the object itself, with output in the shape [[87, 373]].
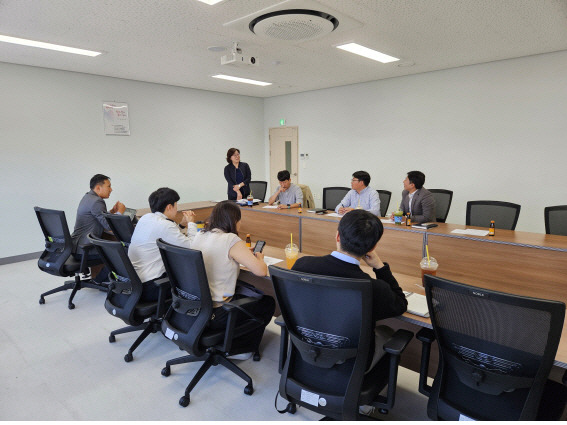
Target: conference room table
[[522, 263]]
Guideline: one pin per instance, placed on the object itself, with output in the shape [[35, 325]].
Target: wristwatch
[[288, 205]]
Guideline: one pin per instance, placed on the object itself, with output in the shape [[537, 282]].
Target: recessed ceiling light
[[367, 53], [210, 2], [241, 80], [42, 45]]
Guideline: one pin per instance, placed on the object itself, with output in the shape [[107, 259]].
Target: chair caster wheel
[[249, 389], [166, 371], [292, 408], [184, 401], [42, 300], [128, 357], [256, 357], [71, 306], [111, 338]]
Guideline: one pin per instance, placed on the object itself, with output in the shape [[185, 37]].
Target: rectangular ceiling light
[[42, 45], [241, 80], [367, 53], [210, 2]]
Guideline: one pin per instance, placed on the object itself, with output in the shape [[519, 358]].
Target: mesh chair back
[[443, 198], [258, 189], [125, 285], [385, 196], [121, 226], [504, 214], [330, 339], [192, 304], [496, 351], [332, 196], [556, 220], [58, 243]]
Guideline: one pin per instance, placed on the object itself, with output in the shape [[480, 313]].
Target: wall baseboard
[[18, 258]]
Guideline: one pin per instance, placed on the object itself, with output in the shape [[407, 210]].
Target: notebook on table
[[417, 304]]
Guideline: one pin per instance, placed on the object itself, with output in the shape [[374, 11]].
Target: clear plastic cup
[[428, 267], [291, 253]]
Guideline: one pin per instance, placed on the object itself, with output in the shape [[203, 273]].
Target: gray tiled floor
[[57, 364]]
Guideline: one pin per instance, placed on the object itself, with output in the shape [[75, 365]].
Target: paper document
[[417, 304], [387, 220], [270, 206], [270, 261], [473, 232], [334, 215]]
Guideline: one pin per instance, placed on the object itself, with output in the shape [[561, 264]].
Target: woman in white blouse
[[223, 252]]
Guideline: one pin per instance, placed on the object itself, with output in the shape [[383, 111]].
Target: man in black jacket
[[357, 238]]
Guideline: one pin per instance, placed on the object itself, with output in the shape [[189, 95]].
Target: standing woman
[[223, 252], [237, 175]]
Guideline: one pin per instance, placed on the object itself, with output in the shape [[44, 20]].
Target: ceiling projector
[[237, 58]]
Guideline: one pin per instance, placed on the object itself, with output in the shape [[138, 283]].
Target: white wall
[[52, 142], [494, 131]]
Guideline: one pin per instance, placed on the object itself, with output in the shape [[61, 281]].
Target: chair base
[[211, 358], [75, 285], [149, 327]]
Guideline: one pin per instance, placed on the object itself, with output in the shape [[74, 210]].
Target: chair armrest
[[398, 343], [426, 336], [239, 302], [162, 281], [284, 342]]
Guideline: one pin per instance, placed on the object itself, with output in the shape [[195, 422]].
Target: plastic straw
[[291, 244], [427, 250]]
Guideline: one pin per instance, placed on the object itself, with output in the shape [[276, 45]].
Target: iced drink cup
[[428, 267], [291, 252]]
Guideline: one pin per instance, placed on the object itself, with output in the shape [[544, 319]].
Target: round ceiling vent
[[293, 25]]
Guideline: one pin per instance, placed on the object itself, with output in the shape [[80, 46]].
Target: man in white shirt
[[361, 197], [160, 223]]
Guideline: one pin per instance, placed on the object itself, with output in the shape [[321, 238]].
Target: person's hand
[[188, 217], [119, 207], [371, 258], [344, 210], [259, 255], [238, 195], [282, 206], [236, 187]]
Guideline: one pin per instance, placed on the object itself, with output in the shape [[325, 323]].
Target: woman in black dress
[[237, 175]]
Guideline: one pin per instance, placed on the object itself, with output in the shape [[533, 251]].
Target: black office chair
[[57, 260], [495, 354], [185, 323], [258, 189], [504, 214], [385, 196], [121, 226], [329, 345], [332, 196], [443, 198], [123, 297], [556, 220]]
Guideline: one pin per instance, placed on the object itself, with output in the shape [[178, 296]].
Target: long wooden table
[[522, 263]]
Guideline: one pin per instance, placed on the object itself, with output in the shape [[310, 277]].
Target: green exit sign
[[282, 121]]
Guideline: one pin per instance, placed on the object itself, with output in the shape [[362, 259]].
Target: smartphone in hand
[[259, 246]]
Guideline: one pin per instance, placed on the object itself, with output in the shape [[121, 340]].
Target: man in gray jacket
[[416, 199], [90, 217]]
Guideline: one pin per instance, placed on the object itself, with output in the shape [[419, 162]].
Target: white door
[[283, 154]]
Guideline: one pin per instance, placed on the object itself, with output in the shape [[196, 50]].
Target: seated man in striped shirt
[[361, 197], [289, 194]]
